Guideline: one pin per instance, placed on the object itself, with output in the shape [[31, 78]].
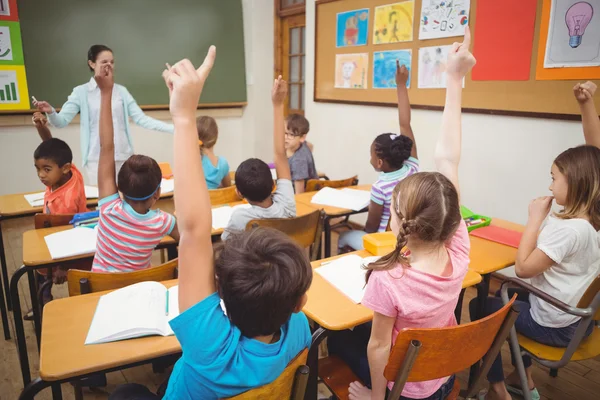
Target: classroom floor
[[580, 380]]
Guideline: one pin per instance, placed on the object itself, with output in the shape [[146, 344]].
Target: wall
[[505, 161], [239, 131]]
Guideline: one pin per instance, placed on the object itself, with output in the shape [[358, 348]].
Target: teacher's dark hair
[[94, 51]]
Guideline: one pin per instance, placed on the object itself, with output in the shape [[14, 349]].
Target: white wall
[[505, 163]]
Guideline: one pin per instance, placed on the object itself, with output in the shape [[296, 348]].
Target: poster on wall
[[443, 18], [432, 67], [384, 67], [352, 28], [573, 34], [13, 88], [8, 10], [394, 23], [351, 71], [11, 48]]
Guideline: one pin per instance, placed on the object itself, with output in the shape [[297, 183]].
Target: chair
[[588, 308], [223, 196], [426, 354], [313, 185], [305, 230], [291, 384]]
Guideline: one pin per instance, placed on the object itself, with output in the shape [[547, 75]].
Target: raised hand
[[165, 76], [460, 59], [279, 91], [401, 74], [584, 91], [104, 78], [39, 119]]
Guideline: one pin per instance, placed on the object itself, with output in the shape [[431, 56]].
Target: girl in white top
[[564, 258]]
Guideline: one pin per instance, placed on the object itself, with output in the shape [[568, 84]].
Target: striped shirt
[[381, 192], [126, 238]]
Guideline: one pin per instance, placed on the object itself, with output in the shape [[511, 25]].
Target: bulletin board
[[534, 95]]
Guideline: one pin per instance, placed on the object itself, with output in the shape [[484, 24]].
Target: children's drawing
[[394, 23], [4, 7], [351, 71], [384, 67], [432, 67], [443, 18], [352, 28], [5, 44], [573, 34]]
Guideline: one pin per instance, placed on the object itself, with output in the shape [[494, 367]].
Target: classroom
[[404, 199]]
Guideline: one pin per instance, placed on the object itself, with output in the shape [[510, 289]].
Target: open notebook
[[37, 199], [347, 274], [343, 198], [222, 215], [72, 242], [142, 309]]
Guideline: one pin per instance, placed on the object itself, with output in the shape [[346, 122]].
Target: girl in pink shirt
[[418, 288]]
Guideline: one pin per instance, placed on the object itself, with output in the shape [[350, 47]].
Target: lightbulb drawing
[[578, 17]]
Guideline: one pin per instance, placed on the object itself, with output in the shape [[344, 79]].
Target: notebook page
[[35, 199], [72, 242], [167, 185], [355, 200], [221, 217], [347, 275], [91, 192]]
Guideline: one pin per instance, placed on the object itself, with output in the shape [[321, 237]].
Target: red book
[[499, 235]]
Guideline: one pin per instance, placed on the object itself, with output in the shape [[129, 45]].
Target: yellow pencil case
[[380, 244]]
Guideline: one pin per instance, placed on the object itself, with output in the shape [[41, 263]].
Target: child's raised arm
[[447, 150], [282, 166], [107, 184], [194, 217], [404, 106], [41, 124], [584, 93]]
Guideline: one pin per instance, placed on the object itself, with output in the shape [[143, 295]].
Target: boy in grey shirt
[[302, 163], [255, 183]]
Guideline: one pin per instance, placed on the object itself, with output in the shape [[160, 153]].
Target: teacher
[[85, 99]]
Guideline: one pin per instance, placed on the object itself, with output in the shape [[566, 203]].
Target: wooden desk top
[[487, 256], [306, 198], [35, 251], [64, 329]]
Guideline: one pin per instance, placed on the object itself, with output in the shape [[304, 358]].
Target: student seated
[[299, 151], [128, 230], [262, 277], [254, 181], [216, 169], [559, 252]]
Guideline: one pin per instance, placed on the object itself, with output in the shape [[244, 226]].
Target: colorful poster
[[8, 10], [432, 67], [13, 88], [384, 67], [11, 48], [352, 28], [443, 18], [394, 23], [505, 57], [351, 71]]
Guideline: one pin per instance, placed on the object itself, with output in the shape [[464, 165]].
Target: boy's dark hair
[[139, 176], [208, 131], [254, 180], [55, 150], [94, 51], [394, 149], [297, 124], [261, 276]]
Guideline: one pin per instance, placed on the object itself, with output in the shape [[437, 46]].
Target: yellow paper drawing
[[394, 23], [351, 71]]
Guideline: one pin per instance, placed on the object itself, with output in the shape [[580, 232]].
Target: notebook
[[499, 235], [167, 185], [347, 274], [72, 242], [352, 199], [142, 309], [222, 215], [37, 199]]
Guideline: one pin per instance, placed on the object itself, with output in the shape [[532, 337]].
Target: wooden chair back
[[317, 184], [588, 296], [305, 230], [84, 282], [223, 196], [49, 220], [426, 354], [291, 384]]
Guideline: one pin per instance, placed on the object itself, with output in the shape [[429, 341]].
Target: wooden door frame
[[278, 43]]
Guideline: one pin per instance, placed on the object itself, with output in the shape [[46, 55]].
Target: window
[[296, 68], [291, 3]]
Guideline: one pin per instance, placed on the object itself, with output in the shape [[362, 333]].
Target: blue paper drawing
[[352, 28], [384, 67]]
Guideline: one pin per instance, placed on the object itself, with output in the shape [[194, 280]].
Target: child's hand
[[460, 59], [584, 91], [401, 74], [186, 84], [39, 119], [104, 78], [279, 91], [539, 208], [165, 76]]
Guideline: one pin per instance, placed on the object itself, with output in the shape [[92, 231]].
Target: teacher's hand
[[43, 106]]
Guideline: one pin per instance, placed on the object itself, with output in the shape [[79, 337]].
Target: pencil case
[[473, 220], [380, 243], [85, 216]]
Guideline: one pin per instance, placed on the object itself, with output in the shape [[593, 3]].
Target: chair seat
[[589, 348], [337, 376]]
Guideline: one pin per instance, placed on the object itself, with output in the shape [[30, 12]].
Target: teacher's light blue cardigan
[[78, 102]]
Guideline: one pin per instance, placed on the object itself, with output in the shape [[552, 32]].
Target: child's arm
[[584, 93], [378, 352], [532, 261], [374, 217], [226, 182], [107, 184], [194, 217], [41, 124], [282, 166], [447, 151], [299, 186], [404, 106]]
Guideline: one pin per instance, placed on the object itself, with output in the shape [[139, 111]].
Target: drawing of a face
[[348, 69]]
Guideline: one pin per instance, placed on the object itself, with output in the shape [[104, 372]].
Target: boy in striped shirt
[[128, 230]]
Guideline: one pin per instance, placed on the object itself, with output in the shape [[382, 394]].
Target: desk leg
[[313, 363], [37, 386], [4, 270], [19, 329], [5, 325], [483, 289], [35, 306], [56, 392], [172, 252], [327, 229]]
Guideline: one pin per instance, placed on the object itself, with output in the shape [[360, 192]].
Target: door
[[293, 33]]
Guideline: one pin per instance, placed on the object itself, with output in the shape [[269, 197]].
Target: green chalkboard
[[143, 34]]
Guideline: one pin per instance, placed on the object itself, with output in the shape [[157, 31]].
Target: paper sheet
[[352, 199], [394, 23], [352, 28], [347, 274], [443, 18], [351, 71], [432, 67], [167, 185], [222, 215], [91, 192], [35, 199], [384, 67], [72, 242]]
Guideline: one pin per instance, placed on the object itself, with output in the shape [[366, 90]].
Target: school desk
[[331, 212], [37, 256]]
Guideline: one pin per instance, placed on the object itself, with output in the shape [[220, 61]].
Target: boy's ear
[[239, 194], [301, 303], [303, 138], [66, 168]]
